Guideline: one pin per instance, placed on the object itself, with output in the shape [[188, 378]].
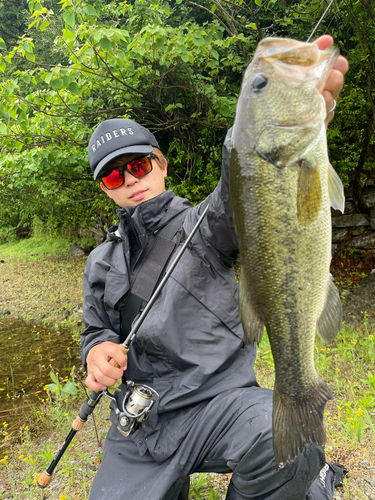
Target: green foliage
[[36, 247], [174, 66], [201, 489], [59, 390]]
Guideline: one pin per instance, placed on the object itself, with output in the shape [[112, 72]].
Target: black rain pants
[[233, 433]]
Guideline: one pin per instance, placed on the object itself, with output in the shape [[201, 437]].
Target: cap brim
[[146, 149]]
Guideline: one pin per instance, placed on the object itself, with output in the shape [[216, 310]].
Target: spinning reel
[[136, 406]]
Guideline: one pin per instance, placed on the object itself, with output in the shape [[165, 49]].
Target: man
[[210, 414]]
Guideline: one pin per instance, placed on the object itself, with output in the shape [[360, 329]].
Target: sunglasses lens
[[140, 167], [114, 180]]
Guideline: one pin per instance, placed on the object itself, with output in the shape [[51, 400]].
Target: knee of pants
[[273, 483]]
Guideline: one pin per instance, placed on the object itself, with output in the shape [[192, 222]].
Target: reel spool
[[136, 407]]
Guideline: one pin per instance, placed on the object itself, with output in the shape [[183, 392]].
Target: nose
[[129, 179]]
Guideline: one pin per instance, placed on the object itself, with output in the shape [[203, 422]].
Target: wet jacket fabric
[[191, 346]]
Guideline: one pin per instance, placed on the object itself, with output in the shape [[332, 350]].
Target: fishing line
[[320, 20]]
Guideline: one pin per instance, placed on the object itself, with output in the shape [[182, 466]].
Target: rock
[[350, 221], [365, 241], [339, 235], [2, 261], [76, 250], [356, 231], [88, 249], [369, 197], [98, 232]]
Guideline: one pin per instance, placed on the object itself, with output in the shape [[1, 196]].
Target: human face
[[135, 190]]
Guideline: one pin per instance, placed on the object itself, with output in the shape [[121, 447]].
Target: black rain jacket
[[191, 346]]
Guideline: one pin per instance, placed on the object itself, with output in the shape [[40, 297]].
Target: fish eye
[[259, 83]]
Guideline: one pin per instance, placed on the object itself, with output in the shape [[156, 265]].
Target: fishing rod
[[138, 401], [320, 20]]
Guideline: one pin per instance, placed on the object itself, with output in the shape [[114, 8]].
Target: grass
[[35, 248]]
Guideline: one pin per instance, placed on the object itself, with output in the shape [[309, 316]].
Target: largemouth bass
[[281, 187]]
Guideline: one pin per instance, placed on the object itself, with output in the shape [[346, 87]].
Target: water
[[28, 353]]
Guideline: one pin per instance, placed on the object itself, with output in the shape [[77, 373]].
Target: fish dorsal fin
[[336, 190], [329, 323], [309, 195]]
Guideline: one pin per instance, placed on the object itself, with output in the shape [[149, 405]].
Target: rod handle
[[43, 480], [113, 362]]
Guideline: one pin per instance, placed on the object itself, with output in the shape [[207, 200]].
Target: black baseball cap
[[116, 137]]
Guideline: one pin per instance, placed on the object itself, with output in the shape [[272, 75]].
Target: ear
[[165, 168]]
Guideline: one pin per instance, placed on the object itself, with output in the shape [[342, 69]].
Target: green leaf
[[30, 57], [74, 107], [253, 26], [67, 35], [69, 18], [73, 88], [54, 377], [2, 45], [90, 11], [69, 388], [44, 25], [225, 111], [258, 2], [57, 84], [198, 41], [48, 77], [3, 128], [105, 43]]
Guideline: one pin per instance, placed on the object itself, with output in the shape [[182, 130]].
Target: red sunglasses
[[137, 168]]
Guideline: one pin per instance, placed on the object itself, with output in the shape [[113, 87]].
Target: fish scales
[[282, 187]]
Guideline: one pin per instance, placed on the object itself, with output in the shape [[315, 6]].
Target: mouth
[[138, 195]]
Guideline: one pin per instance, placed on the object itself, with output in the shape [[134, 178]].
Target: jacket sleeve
[[99, 326], [217, 229]]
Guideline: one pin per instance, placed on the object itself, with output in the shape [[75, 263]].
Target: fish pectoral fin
[[329, 323], [335, 190], [297, 421], [309, 194], [252, 325]]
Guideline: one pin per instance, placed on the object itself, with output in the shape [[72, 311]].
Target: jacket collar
[[151, 215]]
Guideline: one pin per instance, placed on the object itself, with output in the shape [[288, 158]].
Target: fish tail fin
[[252, 325], [297, 421]]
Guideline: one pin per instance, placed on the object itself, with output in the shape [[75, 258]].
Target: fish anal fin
[[297, 421], [309, 195], [335, 190], [329, 323], [252, 325]]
